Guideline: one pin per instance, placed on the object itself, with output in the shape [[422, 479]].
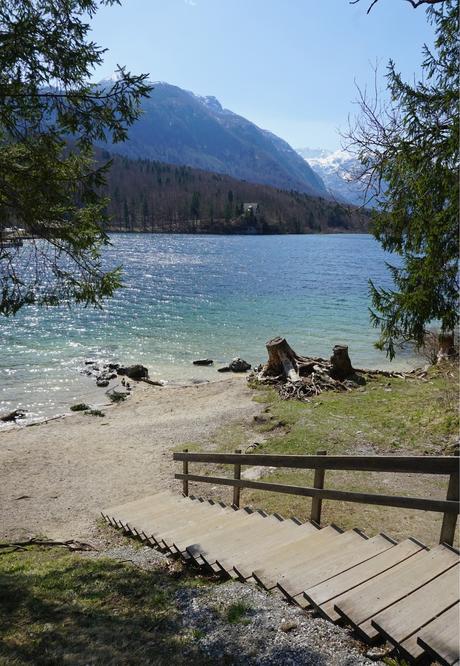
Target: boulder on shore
[[135, 372], [203, 361], [239, 365]]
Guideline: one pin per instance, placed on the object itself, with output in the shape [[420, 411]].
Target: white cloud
[[190, 3]]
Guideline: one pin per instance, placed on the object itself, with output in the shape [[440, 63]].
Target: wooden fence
[[444, 465]]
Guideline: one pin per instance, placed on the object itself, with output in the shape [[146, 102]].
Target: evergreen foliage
[[49, 186], [413, 148]]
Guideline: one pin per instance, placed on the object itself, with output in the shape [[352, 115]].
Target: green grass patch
[[63, 608], [237, 613], [117, 396], [80, 407], [94, 412]]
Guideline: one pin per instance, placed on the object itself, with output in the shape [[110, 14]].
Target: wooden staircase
[[402, 592]]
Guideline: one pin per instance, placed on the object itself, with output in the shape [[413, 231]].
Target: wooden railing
[[444, 465]]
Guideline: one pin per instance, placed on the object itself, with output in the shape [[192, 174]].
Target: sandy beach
[[57, 476]]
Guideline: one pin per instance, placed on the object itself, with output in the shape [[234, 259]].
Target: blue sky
[[290, 66]]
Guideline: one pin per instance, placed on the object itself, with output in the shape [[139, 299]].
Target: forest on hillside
[[155, 197]]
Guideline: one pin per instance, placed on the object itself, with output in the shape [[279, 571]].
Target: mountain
[[179, 127], [157, 197], [336, 169]]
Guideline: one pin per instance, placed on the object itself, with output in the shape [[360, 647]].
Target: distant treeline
[[156, 197]]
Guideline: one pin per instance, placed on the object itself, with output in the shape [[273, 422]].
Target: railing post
[[236, 490], [449, 521], [316, 502], [185, 471]]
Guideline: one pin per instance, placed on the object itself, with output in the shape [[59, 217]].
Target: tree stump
[[340, 362], [282, 360], [446, 349]]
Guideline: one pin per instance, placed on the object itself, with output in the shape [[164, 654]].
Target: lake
[[187, 297]]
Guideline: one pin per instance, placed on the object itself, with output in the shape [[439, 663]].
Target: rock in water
[[203, 361], [12, 416], [136, 372], [226, 368], [238, 365]]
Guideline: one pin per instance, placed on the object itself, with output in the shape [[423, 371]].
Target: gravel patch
[[264, 631], [269, 633]]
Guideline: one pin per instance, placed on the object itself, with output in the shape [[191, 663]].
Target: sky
[[290, 66]]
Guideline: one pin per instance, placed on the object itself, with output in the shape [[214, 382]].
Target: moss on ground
[[64, 608]]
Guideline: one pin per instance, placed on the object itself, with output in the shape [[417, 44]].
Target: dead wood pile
[[304, 377]]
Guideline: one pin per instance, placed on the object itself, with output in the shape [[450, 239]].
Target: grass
[[63, 608], [80, 407], [237, 613], [117, 396], [387, 416], [94, 412]]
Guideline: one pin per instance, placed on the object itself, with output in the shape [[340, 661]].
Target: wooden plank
[[277, 554], [157, 523], [157, 497], [211, 552], [404, 464], [250, 556], [331, 564], [153, 506], [367, 600], [324, 595], [151, 513], [440, 638], [404, 618], [440, 506], [272, 568], [181, 543], [252, 548], [449, 522], [199, 528]]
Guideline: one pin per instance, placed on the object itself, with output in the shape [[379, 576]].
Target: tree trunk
[[340, 362], [446, 346]]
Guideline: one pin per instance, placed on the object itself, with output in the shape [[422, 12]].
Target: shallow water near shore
[[187, 297]]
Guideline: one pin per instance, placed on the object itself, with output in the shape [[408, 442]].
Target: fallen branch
[[70, 544]]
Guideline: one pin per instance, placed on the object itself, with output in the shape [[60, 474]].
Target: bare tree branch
[[414, 3]]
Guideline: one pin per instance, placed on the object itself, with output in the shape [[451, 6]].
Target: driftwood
[[70, 544], [304, 377]]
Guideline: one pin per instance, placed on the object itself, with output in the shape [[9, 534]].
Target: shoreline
[[58, 477]]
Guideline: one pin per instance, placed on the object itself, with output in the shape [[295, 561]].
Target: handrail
[[445, 465], [403, 464]]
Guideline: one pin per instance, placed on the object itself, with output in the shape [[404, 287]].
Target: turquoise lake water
[[187, 297]]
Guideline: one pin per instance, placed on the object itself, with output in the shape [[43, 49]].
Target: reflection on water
[[186, 297]]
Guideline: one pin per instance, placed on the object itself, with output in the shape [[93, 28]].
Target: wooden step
[[312, 545], [367, 600], [167, 503], [324, 595], [249, 556], [223, 530], [333, 563], [405, 618], [157, 527], [275, 530], [315, 569], [440, 638], [212, 549], [218, 520]]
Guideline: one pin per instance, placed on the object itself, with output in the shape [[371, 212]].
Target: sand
[[57, 476]]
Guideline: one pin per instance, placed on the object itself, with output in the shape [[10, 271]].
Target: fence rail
[[445, 465]]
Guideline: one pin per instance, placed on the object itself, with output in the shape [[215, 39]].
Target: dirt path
[[56, 477]]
